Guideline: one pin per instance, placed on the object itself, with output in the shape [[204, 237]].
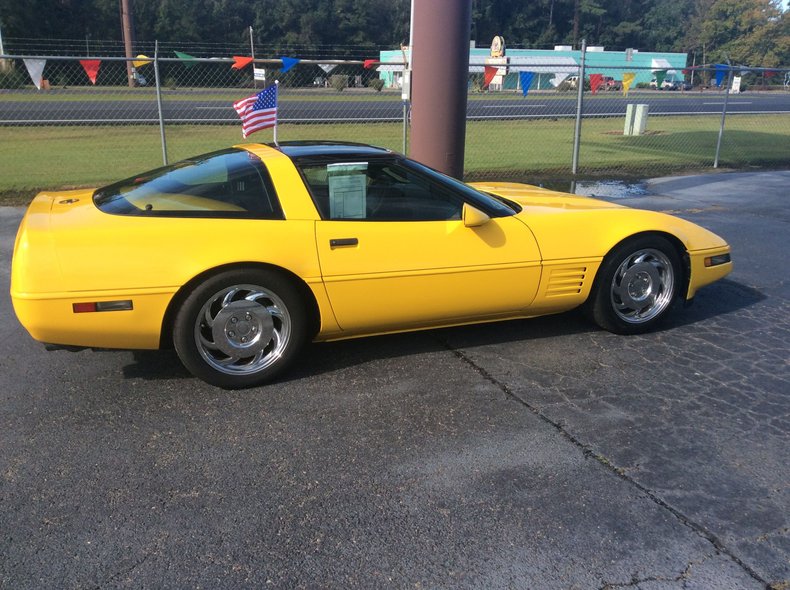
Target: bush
[[339, 82], [11, 79], [376, 83]]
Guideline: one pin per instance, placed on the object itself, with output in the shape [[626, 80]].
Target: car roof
[[307, 149]]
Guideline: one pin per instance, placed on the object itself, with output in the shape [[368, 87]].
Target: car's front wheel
[[240, 328], [636, 286]]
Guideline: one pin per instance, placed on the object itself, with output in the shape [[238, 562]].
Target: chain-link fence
[[96, 119]]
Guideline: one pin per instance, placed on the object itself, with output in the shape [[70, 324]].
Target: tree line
[[751, 32]]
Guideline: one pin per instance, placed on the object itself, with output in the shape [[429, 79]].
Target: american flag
[[258, 111]]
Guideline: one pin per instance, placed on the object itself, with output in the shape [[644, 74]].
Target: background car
[[240, 257], [610, 83], [671, 83]]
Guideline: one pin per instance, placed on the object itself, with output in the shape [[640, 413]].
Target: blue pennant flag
[[526, 81], [288, 63], [721, 69]]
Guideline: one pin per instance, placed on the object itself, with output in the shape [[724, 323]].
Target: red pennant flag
[[91, 67], [240, 62], [369, 63], [687, 71], [595, 82], [769, 73], [488, 76]]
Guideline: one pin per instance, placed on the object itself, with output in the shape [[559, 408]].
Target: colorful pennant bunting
[[288, 63], [628, 79], [142, 60], [488, 75], [35, 67], [558, 79], [721, 70], [660, 76], [186, 59], [327, 67], [525, 79], [595, 82], [369, 63], [240, 62], [91, 67]]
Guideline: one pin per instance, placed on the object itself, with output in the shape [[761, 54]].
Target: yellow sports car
[[240, 257]]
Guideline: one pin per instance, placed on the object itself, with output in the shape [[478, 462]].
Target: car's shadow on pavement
[[719, 299]]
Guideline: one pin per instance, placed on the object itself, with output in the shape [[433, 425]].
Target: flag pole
[[277, 99]]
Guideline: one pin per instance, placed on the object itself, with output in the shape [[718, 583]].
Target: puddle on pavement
[[605, 189], [611, 189]]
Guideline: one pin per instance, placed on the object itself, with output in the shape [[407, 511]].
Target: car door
[[395, 253]]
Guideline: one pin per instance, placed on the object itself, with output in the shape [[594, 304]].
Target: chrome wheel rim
[[642, 286], [242, 329]]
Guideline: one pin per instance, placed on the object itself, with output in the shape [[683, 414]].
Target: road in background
[[188, 107]]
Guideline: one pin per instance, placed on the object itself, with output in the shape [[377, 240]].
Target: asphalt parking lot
[[531, 454]]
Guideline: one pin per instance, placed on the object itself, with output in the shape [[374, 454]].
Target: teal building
[[551, 67]]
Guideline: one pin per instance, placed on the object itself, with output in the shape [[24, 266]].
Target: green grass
[[302, 94], [36, 158]]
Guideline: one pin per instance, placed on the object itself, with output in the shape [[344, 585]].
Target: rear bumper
[[52, 320]]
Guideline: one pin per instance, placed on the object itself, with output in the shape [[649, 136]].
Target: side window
[[231, 183], [378, 190]]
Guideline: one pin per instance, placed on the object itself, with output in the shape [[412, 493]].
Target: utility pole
[[126, 29]]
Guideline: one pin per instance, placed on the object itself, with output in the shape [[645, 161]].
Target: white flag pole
[[276, 114]]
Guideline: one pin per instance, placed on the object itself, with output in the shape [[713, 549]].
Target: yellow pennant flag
[[142, 60], [628, 79]]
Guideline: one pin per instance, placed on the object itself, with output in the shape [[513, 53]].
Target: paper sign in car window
[[347, 190]]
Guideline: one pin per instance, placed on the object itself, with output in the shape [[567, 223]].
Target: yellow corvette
[[238, 258]]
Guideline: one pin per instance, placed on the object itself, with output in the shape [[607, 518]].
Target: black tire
[[636, 286], [241, 328]]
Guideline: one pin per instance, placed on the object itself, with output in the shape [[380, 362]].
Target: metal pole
[[577, 132], [723, 115], [159, 102], [405, 123], [277, 96], [693, 66], [252, 54]]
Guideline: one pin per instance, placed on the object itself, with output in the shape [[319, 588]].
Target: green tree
[[743, 31]]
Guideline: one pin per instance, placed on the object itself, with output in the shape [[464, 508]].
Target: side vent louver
[[566, 281]]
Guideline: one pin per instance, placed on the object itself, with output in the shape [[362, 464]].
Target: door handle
[[340, 242]]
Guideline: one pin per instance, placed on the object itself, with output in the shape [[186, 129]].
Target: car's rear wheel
[[240, 328], [636, 286]]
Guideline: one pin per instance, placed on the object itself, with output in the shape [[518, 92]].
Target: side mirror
[[474, 217]]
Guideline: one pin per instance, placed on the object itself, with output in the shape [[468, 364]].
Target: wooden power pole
[[126, 29]]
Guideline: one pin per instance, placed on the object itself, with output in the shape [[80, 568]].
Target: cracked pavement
[[532, 454]]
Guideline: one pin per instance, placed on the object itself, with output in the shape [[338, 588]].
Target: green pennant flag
[[660, 75], [188, 60]]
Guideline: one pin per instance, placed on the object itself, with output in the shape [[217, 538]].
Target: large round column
[[439, 83]]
